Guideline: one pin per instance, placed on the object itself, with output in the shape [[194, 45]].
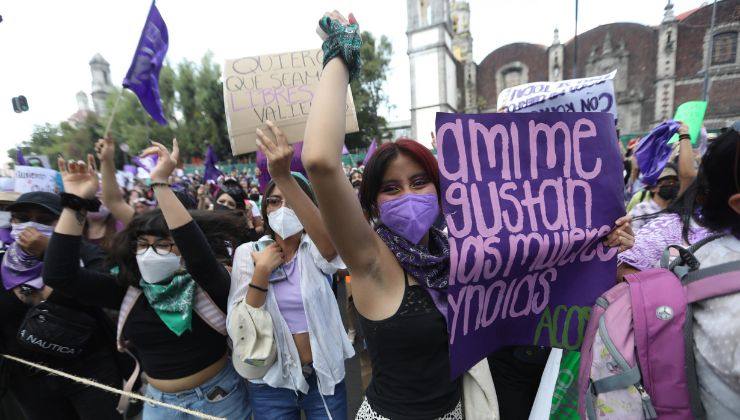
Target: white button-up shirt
[[329, 343]]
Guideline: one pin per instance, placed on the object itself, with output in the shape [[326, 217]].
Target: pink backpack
[[637, 358]]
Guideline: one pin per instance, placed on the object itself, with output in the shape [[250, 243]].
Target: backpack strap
[[207, 309], [718, 280], [132, 295], [686, 262]]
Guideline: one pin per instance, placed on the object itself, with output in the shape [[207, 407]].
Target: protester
[[716, 330], [231, 196], [28, 298], [286, 274], [659, 196], [184, 357]]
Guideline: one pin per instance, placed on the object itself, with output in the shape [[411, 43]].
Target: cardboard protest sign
[[31, 178], [692, 114], [527, 198], [590, 94], [277, 87]]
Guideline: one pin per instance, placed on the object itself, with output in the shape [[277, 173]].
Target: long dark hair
[[268, 190], [705, 200], [225, 231]]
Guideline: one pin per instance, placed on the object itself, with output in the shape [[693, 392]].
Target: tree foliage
[[192, 99]]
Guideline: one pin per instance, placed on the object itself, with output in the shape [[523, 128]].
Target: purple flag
[[19, 159], [653, 151], [143, 75], [147, 163], [370, 151], [344, 150], [296, 165], [211, 173], [130, 169], [527, 198]]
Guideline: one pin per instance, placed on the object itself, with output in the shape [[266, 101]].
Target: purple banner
[[527, 198]]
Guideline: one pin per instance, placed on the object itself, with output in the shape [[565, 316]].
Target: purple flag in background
[[527, 198], [130, 169], [211, 172], [19, 159], [370, 151], [344, 150], [653, 151], [143, 75], [147, 163], [296, 165]]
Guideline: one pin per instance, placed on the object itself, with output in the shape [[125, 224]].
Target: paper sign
[[590, 94], [31, 178], [527, 198], [279, 88], [692, 114]]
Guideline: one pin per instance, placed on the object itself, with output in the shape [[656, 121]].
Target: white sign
[[590, 94], [31, 178]]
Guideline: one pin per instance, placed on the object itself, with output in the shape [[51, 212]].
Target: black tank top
[[410, 359]]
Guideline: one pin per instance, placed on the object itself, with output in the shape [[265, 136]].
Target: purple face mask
[[410, 215]]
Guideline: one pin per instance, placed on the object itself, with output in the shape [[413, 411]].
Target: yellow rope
[[90, 382]]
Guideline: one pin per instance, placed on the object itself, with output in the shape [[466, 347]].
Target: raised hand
[[166, 161], [79, 178], [105, 150], [278, 152]]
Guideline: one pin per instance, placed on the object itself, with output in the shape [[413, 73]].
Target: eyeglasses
[[160, 247], [23, 217]]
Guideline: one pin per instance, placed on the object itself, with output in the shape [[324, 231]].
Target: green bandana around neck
[[172, 301]]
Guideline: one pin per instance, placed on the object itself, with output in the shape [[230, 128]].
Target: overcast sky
[[45, 46]]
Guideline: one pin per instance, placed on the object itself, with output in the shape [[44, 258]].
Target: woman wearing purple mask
[[101, 227], [400, 266]]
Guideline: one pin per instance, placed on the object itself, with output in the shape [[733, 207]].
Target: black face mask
[[356, 184], [221, 207], [254, 197], [668, 192]]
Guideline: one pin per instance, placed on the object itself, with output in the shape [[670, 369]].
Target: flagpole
[[112, 114]]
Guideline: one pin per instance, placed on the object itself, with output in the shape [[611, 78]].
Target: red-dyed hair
[[372, 177]]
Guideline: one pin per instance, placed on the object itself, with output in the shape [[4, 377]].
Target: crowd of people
[[216, 296]]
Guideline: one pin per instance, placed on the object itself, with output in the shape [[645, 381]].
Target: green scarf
[[172, 301]]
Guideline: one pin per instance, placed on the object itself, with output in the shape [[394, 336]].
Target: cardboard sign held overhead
[[277, 87]]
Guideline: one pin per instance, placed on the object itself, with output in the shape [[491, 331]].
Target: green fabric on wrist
[[342, 41]]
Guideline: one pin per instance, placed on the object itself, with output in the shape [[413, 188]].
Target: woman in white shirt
[[287, 274]]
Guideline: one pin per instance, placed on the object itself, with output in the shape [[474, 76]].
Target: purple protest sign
[[527, 198]]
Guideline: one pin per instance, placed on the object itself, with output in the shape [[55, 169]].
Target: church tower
[[101, 84], [665, 80], [462, 49], [433, 68], [555, 55]]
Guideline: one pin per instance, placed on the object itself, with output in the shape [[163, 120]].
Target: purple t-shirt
[[652, 239], [289, 298]]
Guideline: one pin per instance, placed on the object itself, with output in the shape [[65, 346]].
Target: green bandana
[[172, 301], [342, 41]]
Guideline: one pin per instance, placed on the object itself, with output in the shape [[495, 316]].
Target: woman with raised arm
[[112, 197], [174, 289], [400, 268], [285, 277]]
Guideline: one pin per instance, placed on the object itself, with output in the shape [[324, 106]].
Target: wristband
[[342, 41], [159, 184], [261, 289], [684, 137], [76, 203]]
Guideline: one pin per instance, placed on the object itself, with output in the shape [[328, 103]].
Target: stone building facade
[[658, 67]]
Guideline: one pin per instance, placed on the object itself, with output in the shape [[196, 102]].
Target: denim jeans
[[233, 406], [271, 403]]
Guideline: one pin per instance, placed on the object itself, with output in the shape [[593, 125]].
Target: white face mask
[[284, 222], [155, 268]]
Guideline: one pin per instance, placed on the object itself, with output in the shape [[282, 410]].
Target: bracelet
[[77, 203], [342, 41], [684, 137], [261, 289], [159, 184]]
